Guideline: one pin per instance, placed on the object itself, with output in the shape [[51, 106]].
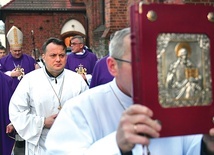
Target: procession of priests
[[37, 95], [54, 112]]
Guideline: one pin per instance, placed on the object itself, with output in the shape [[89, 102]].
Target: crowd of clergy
[[53, 63], [57, 91]]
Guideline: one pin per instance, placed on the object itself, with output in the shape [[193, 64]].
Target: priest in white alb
[[41, 94]]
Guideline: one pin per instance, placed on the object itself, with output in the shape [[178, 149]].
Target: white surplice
[[87, 125], [34, 99]]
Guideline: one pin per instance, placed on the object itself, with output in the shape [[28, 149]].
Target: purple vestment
[[77, 62], [100, 74], [8, 63], [6, 143]]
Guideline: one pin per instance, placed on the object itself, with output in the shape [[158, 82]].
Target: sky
[[3, 2], [2, 37]]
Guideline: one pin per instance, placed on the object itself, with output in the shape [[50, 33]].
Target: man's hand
[[212, 132], [49, 121], [135, 127], [10, 128], [15, 73]]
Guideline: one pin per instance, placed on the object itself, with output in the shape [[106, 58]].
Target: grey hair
[[80, 38], [117, 47]]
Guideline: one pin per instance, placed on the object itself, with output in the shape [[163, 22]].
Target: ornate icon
[[184, 76]]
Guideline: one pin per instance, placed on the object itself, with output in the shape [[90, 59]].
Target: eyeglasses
[[127, 61], [75, 44]]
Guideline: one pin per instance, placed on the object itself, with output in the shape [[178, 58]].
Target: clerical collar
[[49, 74], [80, 53]]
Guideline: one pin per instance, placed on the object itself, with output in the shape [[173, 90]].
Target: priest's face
[[124, 70], [55, 58], [121, 69], [76, 46], [16, 52]]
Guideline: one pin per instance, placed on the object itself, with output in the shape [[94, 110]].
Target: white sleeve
[[29, 126], [105, 146], [8, 73], [192, 144], [76, 137]]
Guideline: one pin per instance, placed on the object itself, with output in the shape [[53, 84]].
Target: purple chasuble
[[8, 63], [100, 74], [86, 62], [6, 143]]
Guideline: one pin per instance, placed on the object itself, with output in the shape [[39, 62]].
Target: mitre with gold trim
[[15, 38]]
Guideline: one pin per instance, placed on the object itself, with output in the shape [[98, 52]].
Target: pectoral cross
[[81, 70], [18, 68]]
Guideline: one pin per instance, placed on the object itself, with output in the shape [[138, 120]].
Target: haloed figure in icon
[[183, 79]]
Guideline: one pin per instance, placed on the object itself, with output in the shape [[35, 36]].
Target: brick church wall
[[49, 24], [44, 25], [117, 16]]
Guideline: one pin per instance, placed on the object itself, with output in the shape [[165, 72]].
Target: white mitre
[[15, 38]]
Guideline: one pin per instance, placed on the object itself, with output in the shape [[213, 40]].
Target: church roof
[[43, 5]]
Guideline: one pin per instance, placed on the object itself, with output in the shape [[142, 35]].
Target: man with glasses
[[104, 120], [101, 74], [81, 60], [16, 64]]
